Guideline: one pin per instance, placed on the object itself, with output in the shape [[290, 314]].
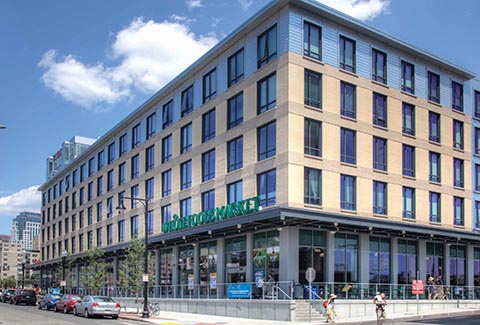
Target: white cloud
[[28, 199], [245, 4], [194, 3], [149, 54], [360, 9]]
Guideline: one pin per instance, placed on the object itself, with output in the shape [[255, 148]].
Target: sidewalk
[[175, 318]]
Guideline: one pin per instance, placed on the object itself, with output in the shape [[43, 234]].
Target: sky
[[79, 67]]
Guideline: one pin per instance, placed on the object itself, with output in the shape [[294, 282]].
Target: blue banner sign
[[239, 291]]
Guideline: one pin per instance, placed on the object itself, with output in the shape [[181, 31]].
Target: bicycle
[[154, 309]]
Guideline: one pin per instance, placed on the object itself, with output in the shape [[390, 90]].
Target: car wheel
[[114, 316], [75, 311], [86, 313], [65, 310], [55, 308], [16, 302], [39, 306]]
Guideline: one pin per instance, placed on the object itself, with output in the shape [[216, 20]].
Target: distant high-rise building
[[25, 226], [68, 152], [5, 238]]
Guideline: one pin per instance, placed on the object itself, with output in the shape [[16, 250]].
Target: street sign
[[145, 278], [310, 274], [418, 287], [63, 283]]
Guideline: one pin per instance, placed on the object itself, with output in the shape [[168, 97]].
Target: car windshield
[[103, 299], [75, 298], [29, 292], [56, 296]]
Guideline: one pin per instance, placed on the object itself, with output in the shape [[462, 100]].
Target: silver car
[[97, 305]]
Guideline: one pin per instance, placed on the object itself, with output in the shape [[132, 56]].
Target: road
[[470, 318], [12, 314]]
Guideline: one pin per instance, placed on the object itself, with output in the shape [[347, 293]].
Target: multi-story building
[[25, 226], [68, 152], [305, 138], [5, 238]]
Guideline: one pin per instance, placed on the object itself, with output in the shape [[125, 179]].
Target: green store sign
[[217, 214]]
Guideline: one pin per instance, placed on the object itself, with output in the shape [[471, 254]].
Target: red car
[[66, 303]]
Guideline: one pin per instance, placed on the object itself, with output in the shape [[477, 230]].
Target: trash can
[[306, 293]]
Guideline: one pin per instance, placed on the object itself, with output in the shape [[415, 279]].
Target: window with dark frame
[[313, 89], [435, 207], [477, 178], [433, 87], [266, 93], [408, 77], [457, 96], [434, 168], [408, 205], [434, 127], [235, 67], [234, 192], [136, 135], [348, 192], [348, 100], [379, 110], [312, 41], [267, 46], [167, 148], [187, 101], [312, 181], [267, 188], [458, 211], [210, 85], [347, 54], [135, 166], [167, 183], [408, 161], [123, 145], [150, 158], [186, 138], [379, 198], [458, 173], [235, 154], [476, 140], [100, 164], [476, 100], [379, 153], [186, 207], [208, 200], [235, 111], [121, 174], [312, 137], [186, 175], [348, 146], [111, 152], [208, 125], [408, 119], [458, 134], [167, 114], [267, 141], [151, 125], [208, 165], [379, 66]]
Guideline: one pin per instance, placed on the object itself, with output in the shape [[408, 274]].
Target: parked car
[[7, 295], [66, 303], [48, 302], [97, 305], [24, 296]]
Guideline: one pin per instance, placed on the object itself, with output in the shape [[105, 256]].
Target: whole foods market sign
[[217, 214]]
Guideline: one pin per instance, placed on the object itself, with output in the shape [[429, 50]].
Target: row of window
[[312, 47]]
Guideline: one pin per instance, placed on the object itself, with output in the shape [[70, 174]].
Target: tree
[[94, 275], [131, 271]]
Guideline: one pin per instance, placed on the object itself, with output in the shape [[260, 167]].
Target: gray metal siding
[[222, 75], [393, 70], [445, 90], [296, 33], [282, 33], [421, 81], [330, 46], [363, 59], [197, 92], [250, 59]]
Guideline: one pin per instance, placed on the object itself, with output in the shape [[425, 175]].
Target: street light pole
[[145, 313], [64, 259], [23, 273]]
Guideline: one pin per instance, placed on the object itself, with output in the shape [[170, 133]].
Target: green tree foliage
[[94, 275], [131, 271]]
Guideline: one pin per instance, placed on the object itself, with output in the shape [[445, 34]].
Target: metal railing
[[287, 290]]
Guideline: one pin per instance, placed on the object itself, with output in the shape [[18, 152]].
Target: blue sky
[[78, 67]]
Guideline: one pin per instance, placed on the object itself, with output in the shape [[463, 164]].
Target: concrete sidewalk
[[175, 318]]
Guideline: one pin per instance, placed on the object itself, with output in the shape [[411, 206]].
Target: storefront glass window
[[266, 249], [435, 260], [311, 253], [379, 260], [208, 268], [166, 272], [476, 266], [185, 269], [407, 261], [346, 258], [236, 259], [457, 265]]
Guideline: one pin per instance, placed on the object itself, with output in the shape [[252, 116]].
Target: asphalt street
[[467, 319], [12, 314]]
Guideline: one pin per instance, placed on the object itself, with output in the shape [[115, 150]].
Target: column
[[470, 267], [446, 265], [157, 272], [422, 259], [221, 276], [175, 270], [249, 270], [330, 257], [394, 261], [363, 258], [196, 270], [115, 272], [289, 254]]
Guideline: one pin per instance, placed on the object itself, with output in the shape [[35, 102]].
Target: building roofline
[[248, 25]]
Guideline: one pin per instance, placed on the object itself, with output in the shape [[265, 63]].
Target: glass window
[[408, 159], [91, 170], [83, 176], [266, 258], [379, 198], [435, 259], [408, 77], [379, 153], [207, 264], [458, 134], [90, 216], [167, 183], [433, 87], [408, 205], [99, 213], [476, 100], [187, 100], [346, 258], [186, 175], [166, 148], [458, 173], [110, 180], [458, 265], [477, 215], [149, 189], [121, 231], [210, 86], [476, 266], [235, 111], [186, 134], [208, 200], [477, 177], [100, 163], [208, 125], [186, 207], [408, 119], [90, 191], [166, 213], [267, 141], [380, 110], [267, 46], [457, 96], [348, 146], [434, 159], [312, 40], [109, 234], [266, 94], [379, 260], [235, 154], [135, 166], [151, 125], [458, 211], [167, 114], [123, 145], [150, 222], [313, 89], [236, 259], [435, 207], [99, 186], [208, 165], [150, 158], [477, 141], [135, 135], [313, 137], [348, 100], [121, 174], [348, 193], [110, 207], [134, 196], [434, 127], [134, 227], [312, 253], [267, 188], [407, 261], [234, 192], [235, 68], [312, 181], [347, 54], [379, 66], [90, 239]]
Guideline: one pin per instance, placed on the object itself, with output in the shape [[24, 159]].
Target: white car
[[97, 306]]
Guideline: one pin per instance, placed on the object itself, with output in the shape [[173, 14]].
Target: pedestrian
[[331, 313], [430, 287], [260, 287], [380, 304], [439, 291]]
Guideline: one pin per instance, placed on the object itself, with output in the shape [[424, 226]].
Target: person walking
[[331, 313], [380, 304]]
